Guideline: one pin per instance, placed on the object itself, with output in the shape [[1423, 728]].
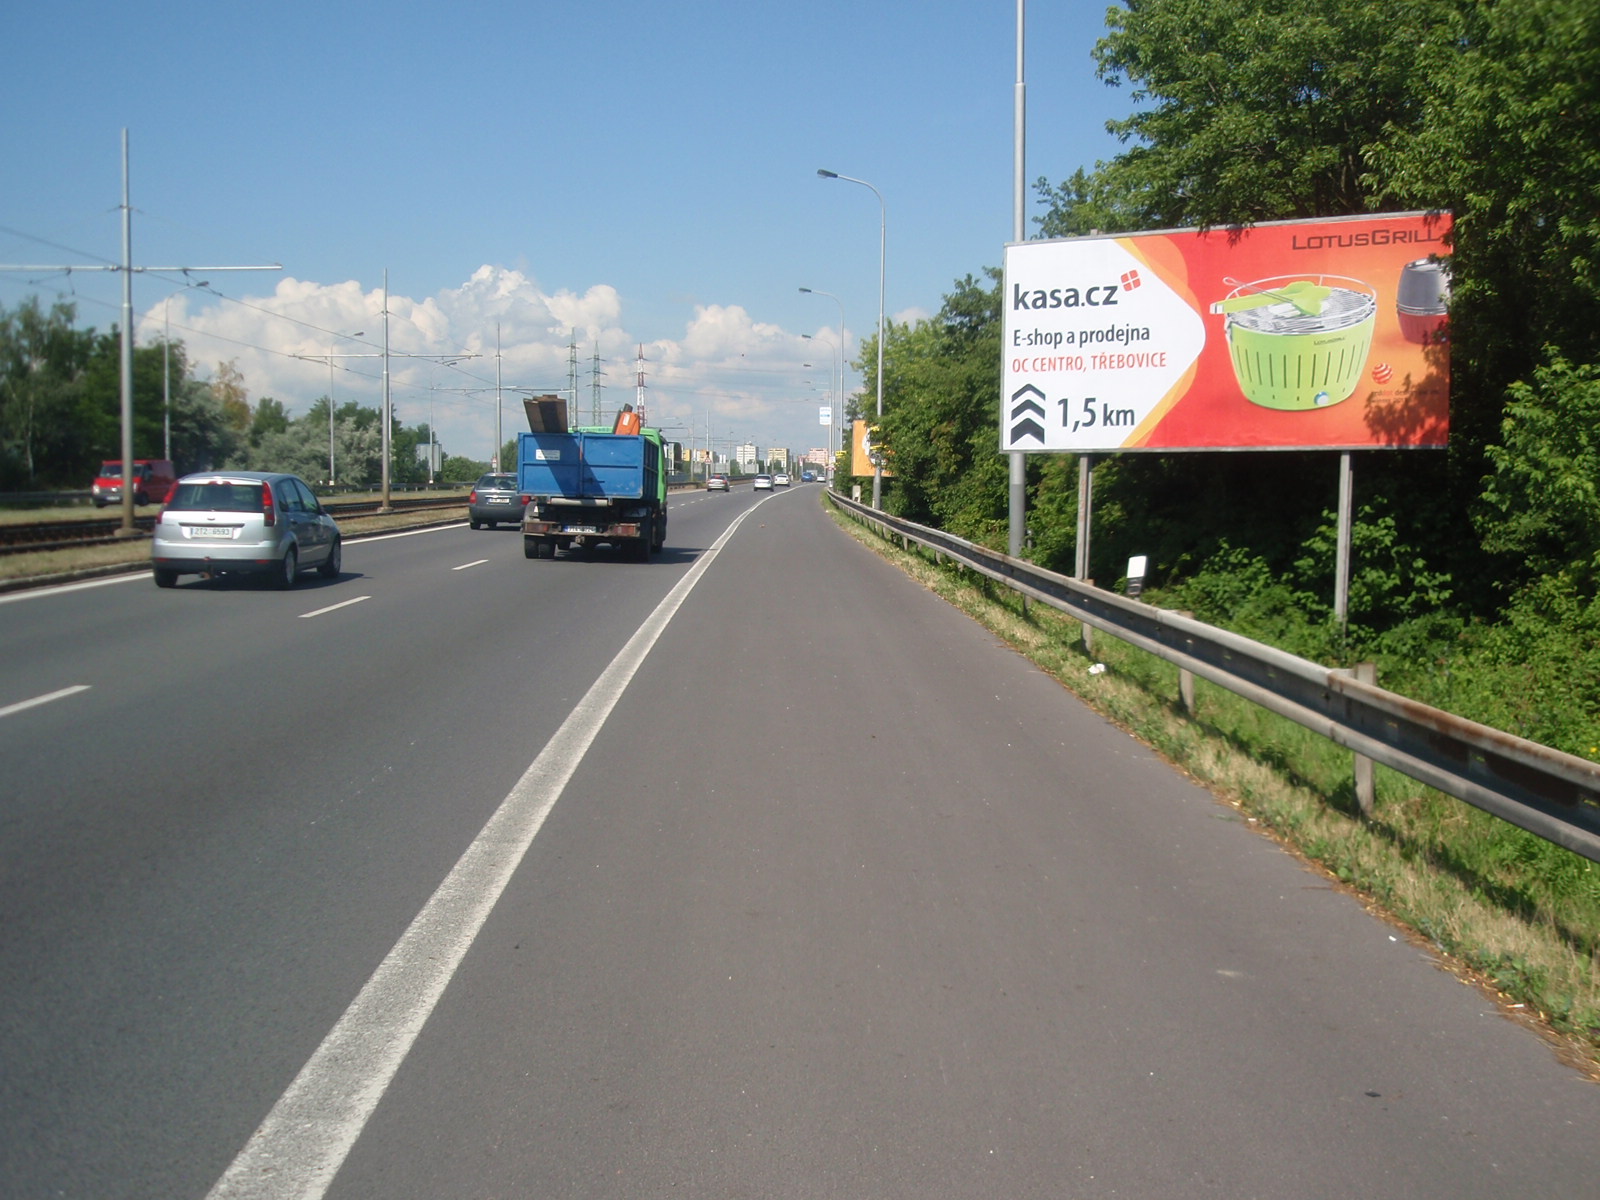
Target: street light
[[166, 369], [883, 243], [331, 476], [838, 395]]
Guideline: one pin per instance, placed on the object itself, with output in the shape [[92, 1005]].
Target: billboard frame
[[1130, 323]]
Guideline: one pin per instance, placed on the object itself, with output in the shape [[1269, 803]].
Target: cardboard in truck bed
[[546, 414]]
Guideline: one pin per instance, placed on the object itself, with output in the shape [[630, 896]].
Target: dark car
[[495, 499]]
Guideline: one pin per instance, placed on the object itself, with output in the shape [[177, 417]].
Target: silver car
[[246, 522]]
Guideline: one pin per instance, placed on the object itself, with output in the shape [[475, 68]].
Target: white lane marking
[[35, 593], [464, 566], [385, 537], [306, 1137], [334, 607], [61, 694]]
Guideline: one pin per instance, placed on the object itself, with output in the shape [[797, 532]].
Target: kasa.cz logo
[[1095, 296]]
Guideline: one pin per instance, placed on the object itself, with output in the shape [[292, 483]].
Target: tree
[[268, 417], [202, 435], [42, 358], [456, 469], [1086, 204], [941, 405], [96, 432], [1541, 505], [228, 387], [1253, 110], [1510, 141]]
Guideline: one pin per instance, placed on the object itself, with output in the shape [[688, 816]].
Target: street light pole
[[331, 476], [883, 244], [1017, 508], [838, 395], [166, 379], [386, 507]]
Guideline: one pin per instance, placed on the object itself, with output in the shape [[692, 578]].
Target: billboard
[[865, 459], [1329, 334]]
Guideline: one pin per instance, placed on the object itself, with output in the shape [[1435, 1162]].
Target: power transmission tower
[[596, 375], [572, 373]]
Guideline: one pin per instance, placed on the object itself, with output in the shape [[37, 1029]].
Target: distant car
[[494, 498], [246, 522], [152, 480], [780, 480], [717, 483], [761, 483], [807, 477]]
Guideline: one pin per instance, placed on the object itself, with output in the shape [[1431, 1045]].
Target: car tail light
[[525, 500], [269, 514], [472, 496]]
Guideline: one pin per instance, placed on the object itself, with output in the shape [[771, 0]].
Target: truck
[[589, 485]]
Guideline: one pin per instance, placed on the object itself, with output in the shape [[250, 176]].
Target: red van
[[152, 480]]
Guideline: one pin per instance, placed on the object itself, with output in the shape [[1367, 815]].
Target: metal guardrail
[[1545, 791]]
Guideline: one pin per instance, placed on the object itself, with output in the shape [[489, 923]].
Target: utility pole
[[126, 373], [638, 400], [388, 409], [595, 375], [386, 507]]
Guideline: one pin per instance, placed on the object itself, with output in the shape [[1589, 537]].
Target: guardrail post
[[1186, 682], [1365, 792]]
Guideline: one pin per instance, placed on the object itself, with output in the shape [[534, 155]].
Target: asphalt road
[[752, 871]]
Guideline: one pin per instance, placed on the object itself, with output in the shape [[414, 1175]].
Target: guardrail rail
[[1543, 790]]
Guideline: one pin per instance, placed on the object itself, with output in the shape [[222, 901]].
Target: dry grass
[[1536, 958]]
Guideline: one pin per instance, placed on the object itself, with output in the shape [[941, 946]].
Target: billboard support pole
[[1085, 511], [1341, 565]]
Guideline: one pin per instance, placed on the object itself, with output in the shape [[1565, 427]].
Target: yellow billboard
[[864, 457]]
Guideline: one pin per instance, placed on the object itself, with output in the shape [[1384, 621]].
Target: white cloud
[[744, 376]]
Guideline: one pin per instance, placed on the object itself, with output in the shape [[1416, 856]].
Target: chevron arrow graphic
[[1026, 403]]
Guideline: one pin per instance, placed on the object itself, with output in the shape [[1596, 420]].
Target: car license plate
[[581, 529], [499, 499], [210, 531]]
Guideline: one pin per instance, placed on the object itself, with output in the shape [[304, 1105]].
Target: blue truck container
[[591, 485]]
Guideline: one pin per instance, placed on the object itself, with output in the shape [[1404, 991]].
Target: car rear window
[[217, 497], [500, 482]]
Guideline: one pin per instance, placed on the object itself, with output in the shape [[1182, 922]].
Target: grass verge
[[1522, 923]]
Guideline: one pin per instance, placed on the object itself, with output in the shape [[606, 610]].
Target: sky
[[606, 173]]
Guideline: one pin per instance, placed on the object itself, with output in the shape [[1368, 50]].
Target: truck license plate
[[581, 529]]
